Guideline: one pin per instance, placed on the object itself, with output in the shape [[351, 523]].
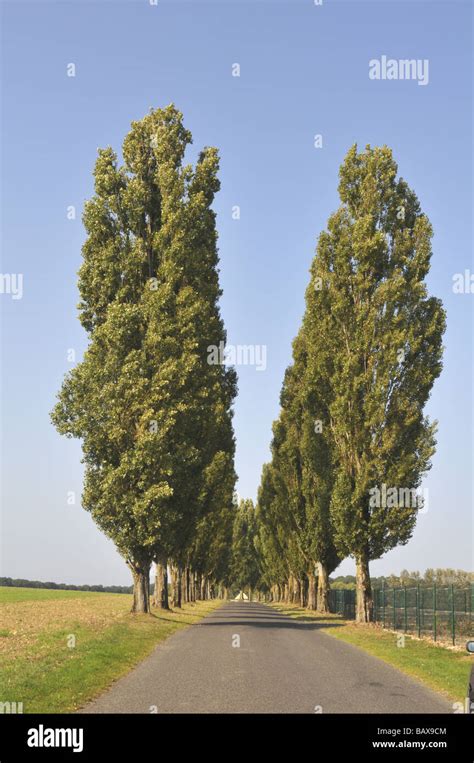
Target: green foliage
[[376, 347], [272, 537], [153, 415], [364, 362], [244, 571]]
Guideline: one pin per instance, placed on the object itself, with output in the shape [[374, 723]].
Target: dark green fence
[[342, 602], [444, 613]]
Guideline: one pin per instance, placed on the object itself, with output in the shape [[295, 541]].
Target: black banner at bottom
[[95, 737]]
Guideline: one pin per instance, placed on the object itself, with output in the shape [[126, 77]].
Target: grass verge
[[59, 651], [444, 670]]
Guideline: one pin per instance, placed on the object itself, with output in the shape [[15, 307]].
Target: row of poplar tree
[[351, 421], [155, 416]]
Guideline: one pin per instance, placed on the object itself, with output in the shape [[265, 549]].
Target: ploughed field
[[59, 649]]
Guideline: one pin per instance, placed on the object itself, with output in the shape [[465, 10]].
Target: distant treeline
[[440, 576], [20, 583]]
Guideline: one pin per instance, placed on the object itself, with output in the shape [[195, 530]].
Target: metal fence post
[[434, 611], [394, 620], [471, 597], [383, 603], [405, 621], [453, 616], [418, 618]]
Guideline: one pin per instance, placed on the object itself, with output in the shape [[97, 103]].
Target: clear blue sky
[[304, 70]]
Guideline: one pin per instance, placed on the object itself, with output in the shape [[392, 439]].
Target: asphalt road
[[282, 665]]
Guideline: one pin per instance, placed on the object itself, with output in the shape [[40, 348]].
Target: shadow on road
[[259, 616], [260, 623]]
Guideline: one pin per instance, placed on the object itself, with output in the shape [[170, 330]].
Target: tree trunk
[[190, 584], [312, 601], [160, 598], [141, 586], [203, 588], [179, 586], [187, 585], [290, 589], [176, 586], [184, 593], [303, 596], [296, 590], [364, 601], [323, 588], [172, 583]]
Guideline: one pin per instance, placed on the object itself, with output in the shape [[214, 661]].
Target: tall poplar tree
[[317, 476], [271, 540], [290, 501], [301, 484], [374, 343], [153, 415], [245, 570]]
